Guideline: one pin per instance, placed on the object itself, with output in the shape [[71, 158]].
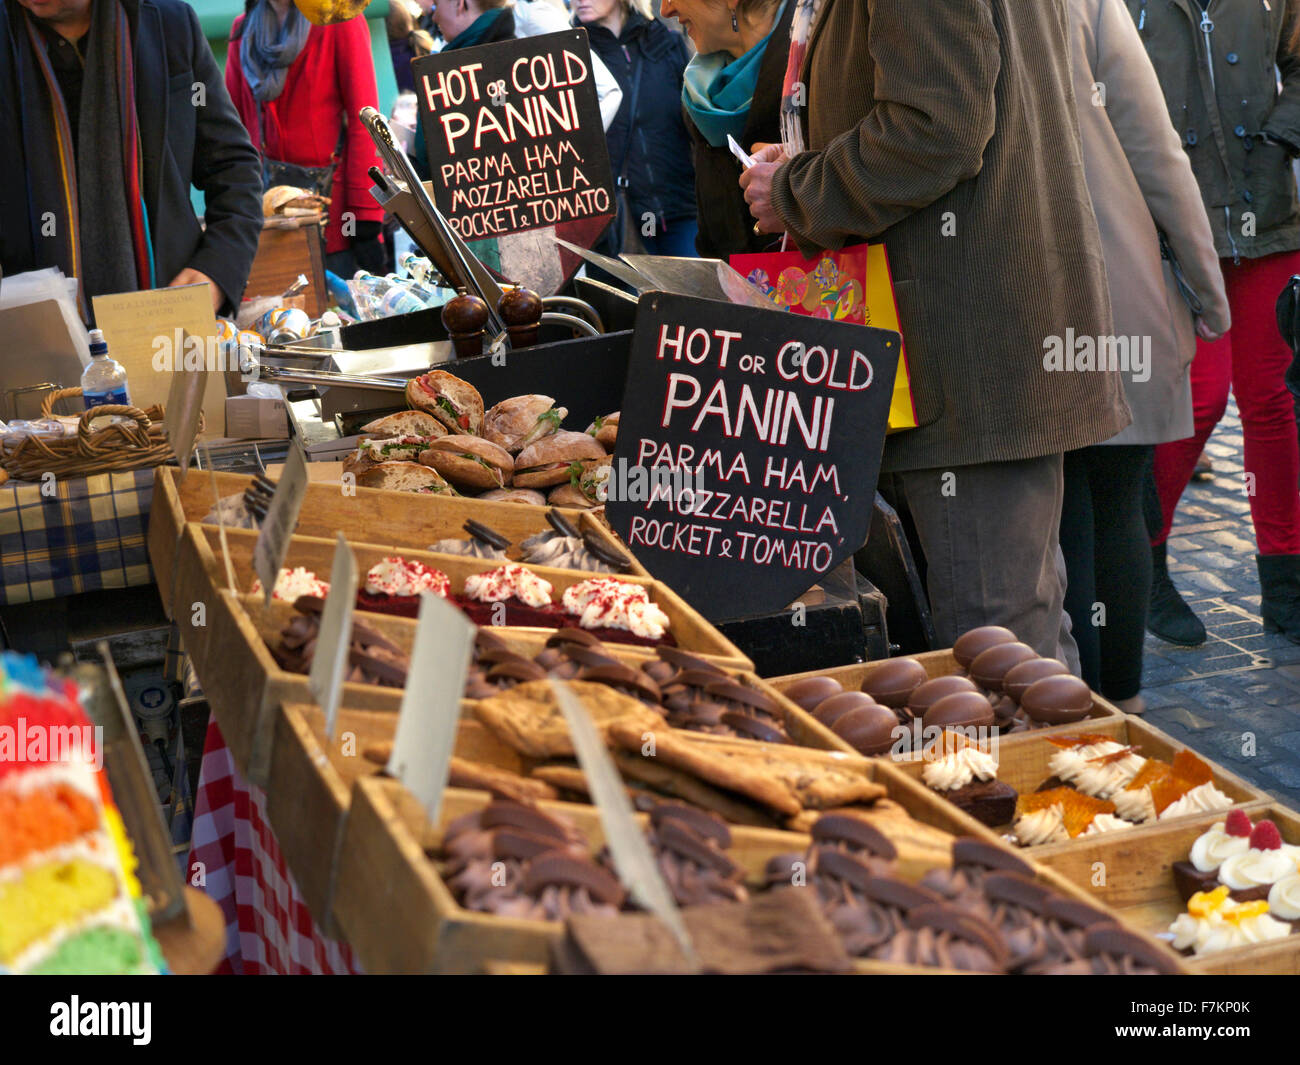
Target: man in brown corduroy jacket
[[947, 131]]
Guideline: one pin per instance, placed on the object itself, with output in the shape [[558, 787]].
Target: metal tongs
[[402, 194]]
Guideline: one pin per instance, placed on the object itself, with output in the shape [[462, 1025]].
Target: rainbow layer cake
[[69, 899]]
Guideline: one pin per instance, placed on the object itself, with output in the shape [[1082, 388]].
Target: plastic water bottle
[[104, 380]]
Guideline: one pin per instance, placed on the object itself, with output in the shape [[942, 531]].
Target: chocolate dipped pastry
[[943, 937], [849, 865], [700, 697], [1110, 950], [372, 657], [514, 860], [972, 861], [690, 847]]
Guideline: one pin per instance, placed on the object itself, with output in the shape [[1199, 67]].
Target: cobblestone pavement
[[1236, 699]]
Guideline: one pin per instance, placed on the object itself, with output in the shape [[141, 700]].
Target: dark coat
[[1221, 121], [959, 148], [726, 226], [661, 180], [181, 144]]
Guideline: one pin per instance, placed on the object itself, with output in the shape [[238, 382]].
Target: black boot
[[1279, 594], [1170, 617]]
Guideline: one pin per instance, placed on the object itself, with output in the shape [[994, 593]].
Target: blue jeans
[[676, 238]]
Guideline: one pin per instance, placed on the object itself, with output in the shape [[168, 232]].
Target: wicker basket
[[113, 448]]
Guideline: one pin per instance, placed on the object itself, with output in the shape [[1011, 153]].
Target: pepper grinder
[[521, 310], [465, 319]]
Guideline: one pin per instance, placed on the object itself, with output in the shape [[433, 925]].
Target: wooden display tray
[[395, 521], [1024, 766], [1139, 884], [244, 684], [307, 804], [941, 664], [195, 583], [384, 869]]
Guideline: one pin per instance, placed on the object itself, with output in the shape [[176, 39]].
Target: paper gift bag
[[850, 285]]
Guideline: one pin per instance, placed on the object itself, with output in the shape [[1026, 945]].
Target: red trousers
[[1251, 360]]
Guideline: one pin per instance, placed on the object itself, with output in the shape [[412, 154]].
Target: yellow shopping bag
[[850, 285]]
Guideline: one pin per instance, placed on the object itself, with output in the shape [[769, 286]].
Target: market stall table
[[268, 926], [74, 534]]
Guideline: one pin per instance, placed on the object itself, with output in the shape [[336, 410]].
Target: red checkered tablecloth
[[268, 926]]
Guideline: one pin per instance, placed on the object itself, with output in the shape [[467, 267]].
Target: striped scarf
[[87, 207], [794, 93]]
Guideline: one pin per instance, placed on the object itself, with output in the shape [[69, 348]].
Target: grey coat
[[946, 129], [1141, 181]]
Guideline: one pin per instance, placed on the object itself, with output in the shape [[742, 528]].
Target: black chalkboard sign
[[517, 152], [748, 449]]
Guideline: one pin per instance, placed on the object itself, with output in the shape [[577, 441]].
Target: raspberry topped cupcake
[[526, 598], [618, 611], [393, 586]]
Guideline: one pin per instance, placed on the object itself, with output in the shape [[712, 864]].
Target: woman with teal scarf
[[733, 86]]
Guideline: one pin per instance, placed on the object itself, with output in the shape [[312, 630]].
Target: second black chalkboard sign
[[517, 152]]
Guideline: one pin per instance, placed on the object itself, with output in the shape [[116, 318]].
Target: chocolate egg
[[811, 691], [960, 709], [828, 711], [992, 665], [970, 645], [869, 731], [929, 693], [1057, 700], [1020, 676], [892, 682]]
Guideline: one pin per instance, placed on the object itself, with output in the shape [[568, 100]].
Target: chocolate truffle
[[892, 682], [869, 731], [992, 665], [971, 644], [960, 709], [1057, 700], [1020, 676], [932, 691], [812, 691]]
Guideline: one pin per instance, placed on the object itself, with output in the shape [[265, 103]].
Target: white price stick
[[430, 714], [632, 856], [330, 661], [184, 406], [281, 519], [221, 524]]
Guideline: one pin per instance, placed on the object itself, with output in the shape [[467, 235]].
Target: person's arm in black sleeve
[[226, 169]]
